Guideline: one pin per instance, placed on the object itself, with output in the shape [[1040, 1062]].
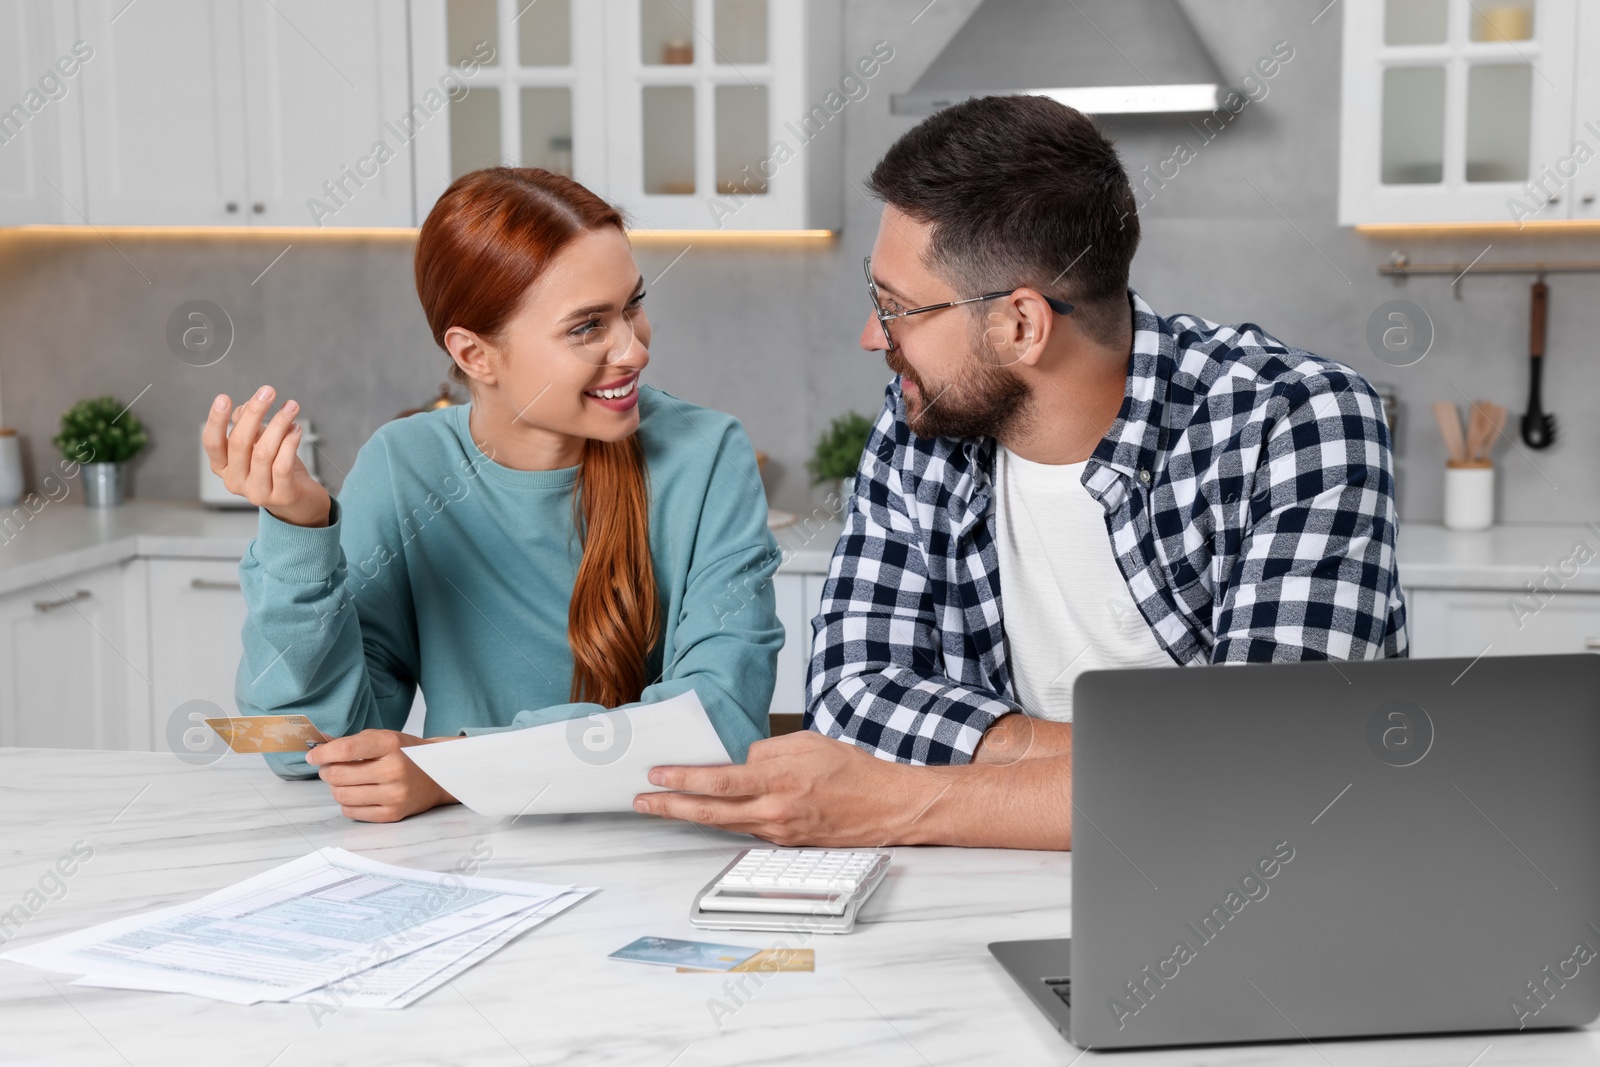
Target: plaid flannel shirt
[[1249, 497]]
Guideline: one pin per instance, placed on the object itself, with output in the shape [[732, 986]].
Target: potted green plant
[[838, 452], [102, 435]]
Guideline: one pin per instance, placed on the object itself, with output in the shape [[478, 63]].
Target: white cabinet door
[[707, 99], [788, 697], [1451, 108], [678, 118], [1453, 622], [798, 596], [41, 172], [164, 113], [525, 85], [813, 602], [64, 666], [326, 89], [196, 622], [1584, 190]]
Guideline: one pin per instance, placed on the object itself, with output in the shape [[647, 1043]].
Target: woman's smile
[[619, 395]]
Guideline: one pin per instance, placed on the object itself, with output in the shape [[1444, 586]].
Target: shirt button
[[1144, 476]]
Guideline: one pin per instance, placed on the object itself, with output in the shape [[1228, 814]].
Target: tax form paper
[[384, 934], [597, 763]]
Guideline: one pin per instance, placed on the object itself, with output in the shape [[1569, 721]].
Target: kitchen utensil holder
[[1469, 495]]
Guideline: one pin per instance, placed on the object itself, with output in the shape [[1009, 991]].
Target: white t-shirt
[[1066, 607]]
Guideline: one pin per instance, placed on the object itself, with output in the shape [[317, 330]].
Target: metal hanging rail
[[1400, 265]]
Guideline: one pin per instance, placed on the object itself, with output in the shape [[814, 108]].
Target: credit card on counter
[[268, 733], [771, 961], [699, 955]]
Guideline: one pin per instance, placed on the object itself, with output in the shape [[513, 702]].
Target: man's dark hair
[[1020, 190]]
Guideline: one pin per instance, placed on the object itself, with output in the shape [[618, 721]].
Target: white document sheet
[[288, 930], [413, 976], [407, 978], [599, 763]]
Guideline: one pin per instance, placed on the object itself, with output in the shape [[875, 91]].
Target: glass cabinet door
[[1483, 61], [1460, 105], [687, 114], [706, 86], [520, 108], [669, 144]]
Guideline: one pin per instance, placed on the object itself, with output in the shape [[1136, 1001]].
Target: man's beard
[[980, 399]]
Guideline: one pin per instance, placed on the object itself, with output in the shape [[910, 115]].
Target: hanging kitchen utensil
[[1450, 425], [1538, 428]]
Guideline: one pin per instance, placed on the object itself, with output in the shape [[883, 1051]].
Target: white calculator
[[817, 890]]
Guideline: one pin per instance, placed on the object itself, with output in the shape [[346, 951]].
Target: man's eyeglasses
[[1060, 307]]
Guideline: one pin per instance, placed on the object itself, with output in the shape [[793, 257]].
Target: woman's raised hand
[[261, 463]]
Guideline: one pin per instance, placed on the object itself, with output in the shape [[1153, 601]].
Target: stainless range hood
[[1103, 57]]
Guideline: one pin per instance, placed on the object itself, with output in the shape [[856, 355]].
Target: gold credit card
[[770, 961], [268, 733]]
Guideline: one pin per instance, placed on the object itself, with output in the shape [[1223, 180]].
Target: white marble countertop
[[913, 985], [68, 538], [1501, 557]]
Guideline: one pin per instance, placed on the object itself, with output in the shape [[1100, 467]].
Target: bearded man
[[1060, 480]]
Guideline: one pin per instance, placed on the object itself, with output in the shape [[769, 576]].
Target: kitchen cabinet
[[698, 114], [1469, 111], [196, 621], [212, 113], [163, 107], [197, 614], [798, 597], [41, 166], [1469, 622], [326, 97], [66, 669]]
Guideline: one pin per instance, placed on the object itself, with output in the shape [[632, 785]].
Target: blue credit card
[[670, 952]]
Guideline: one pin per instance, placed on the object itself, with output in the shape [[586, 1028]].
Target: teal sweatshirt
[[443, 568]]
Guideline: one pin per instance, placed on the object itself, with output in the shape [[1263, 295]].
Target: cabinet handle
[[1592, 644], [233, 207], [258, 207], [51, 605], [1588, 198], [212, 583]]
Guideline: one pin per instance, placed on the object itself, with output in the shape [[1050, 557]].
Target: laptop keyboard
[[1061, 987]]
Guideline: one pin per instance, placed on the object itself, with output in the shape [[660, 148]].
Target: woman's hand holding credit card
[[268, 733]]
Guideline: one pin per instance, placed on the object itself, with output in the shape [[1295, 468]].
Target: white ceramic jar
[[1469, 496]]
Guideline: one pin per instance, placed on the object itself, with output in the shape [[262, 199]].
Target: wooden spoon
[[1478, 432], [1450, 425], [1497, 422]]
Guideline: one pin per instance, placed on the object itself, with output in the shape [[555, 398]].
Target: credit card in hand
[[268, 733]]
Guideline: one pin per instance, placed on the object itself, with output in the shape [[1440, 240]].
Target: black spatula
[[1538, 428]]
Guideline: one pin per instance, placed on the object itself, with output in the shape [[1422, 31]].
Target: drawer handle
[[51, 605], [1592, 644], [212, 583]]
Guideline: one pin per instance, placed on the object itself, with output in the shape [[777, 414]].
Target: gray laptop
[[1306, 850]]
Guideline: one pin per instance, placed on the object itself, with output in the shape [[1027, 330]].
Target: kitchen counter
[[1504, 557], [68, 538], [913, 985]]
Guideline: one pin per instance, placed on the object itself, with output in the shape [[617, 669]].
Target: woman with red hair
[[571, 540]]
